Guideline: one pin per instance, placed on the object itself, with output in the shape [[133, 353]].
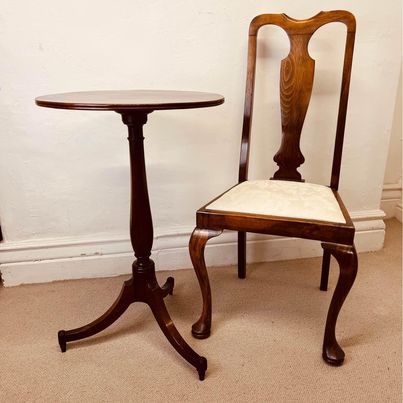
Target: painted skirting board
[[64, 259], [391, 202], [399, 212]]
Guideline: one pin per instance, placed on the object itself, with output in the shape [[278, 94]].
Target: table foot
[[202, 372], [168, 287], [61, 335]]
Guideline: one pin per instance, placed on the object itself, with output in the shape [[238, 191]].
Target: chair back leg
[[241, 254], [324, 278]]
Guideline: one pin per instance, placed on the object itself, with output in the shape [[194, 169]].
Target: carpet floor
[[265, 344]]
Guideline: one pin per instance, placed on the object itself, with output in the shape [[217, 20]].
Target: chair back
[[296, 81]]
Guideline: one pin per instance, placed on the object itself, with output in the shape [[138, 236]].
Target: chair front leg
[[346, 256], [197, 243]]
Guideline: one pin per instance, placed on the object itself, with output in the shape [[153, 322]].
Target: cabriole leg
[[198, 240], [346, 256]]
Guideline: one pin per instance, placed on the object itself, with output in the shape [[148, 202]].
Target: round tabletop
[[130, 100]]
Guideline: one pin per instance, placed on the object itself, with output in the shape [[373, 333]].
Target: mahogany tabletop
[[122, 100]]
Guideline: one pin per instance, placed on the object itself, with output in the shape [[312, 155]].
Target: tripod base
[[142, 287]]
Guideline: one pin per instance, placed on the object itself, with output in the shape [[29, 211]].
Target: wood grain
[[296, 80]]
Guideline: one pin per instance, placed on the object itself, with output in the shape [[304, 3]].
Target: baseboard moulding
[[391, 202], [41, 261]]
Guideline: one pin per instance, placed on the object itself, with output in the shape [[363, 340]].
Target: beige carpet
[[265, 345]]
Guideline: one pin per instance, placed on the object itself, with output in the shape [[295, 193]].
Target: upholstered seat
[[282, 199]]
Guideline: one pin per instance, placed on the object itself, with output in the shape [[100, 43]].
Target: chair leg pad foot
[[333, 362], [333, 355], [197, 335], [200, 331]]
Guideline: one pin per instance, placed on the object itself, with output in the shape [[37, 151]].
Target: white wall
[[64, 177]]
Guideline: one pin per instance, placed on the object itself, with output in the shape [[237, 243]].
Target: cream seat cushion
[[281, 198]]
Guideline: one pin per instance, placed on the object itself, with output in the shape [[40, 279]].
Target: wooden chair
[[286, 205]]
